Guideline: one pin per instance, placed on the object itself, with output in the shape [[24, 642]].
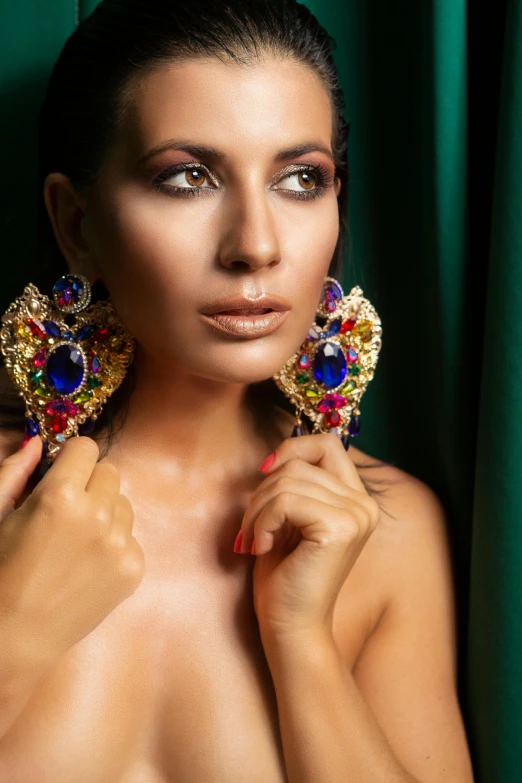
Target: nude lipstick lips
[[244, 317], [254, 325]]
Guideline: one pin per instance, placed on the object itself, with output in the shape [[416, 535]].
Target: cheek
[[152, 265], [312, 247]]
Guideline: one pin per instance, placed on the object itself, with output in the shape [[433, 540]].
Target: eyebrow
[[202, 150]]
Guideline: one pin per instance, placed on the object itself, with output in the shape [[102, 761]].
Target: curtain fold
[[433, 90], [495, 632]]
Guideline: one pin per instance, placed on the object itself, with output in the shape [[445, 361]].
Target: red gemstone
[[352, 355], [35, 329], [330, 402], [58, 423], [62, 407], [347, 326], [94, 364], [101, 334], [39, 358], [332, 418], [303, 360]]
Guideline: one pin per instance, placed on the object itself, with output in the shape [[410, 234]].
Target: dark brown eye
[[299, 181], [195, 176], [307, 179]]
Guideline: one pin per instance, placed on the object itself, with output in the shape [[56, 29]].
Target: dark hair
[[89, 98]]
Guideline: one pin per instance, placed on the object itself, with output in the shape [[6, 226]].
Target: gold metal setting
[[359, 331], [27, 344]]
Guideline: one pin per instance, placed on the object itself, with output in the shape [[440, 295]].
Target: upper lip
[[267, 301]]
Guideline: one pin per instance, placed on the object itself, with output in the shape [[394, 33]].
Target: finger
[[298, 468], [105, 480], [15, 471], [322, 449], [320, 524], [285, 484], [74, 462]]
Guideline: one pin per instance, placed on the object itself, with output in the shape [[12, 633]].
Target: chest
[[173, 686]]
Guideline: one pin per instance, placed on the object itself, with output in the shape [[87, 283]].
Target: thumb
[[15, 472]]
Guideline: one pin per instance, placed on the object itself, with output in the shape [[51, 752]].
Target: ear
[[66, 209]]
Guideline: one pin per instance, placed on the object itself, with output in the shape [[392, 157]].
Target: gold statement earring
[[64, 372], [326, 378]]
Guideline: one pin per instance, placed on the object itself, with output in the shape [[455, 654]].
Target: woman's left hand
[[310, 519]]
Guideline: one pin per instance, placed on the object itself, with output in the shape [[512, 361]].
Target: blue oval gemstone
[[334, 326], [52, 329], [31, 427], [65, 369], [329, 365], [69, 284], [84, 332], [68, 335]]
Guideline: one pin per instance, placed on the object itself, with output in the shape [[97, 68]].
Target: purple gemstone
[[354, 426], [313, 334]]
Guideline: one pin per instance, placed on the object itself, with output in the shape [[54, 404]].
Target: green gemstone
[[303, 377], [94, 382], [354, 369], [84, 396], [36, 375], [348, 387], [41, 392]]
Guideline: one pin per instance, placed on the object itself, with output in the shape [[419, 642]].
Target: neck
[[198, 425]]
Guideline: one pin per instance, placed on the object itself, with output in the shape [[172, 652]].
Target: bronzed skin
[[173, 684]]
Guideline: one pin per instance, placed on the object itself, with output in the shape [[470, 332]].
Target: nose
[[249, 236]]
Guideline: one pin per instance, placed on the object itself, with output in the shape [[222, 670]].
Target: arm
[[396, 719], [21, 667]]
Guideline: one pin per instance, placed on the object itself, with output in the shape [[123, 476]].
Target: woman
[[140, 643]]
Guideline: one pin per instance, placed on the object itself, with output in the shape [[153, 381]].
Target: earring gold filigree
[[64, 372], [326, 378]]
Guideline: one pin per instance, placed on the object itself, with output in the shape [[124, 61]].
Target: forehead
[[270, 104]]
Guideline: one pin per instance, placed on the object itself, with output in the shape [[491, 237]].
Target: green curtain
[[433, 91]]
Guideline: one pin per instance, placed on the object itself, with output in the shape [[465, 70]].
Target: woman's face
[[165, 254]]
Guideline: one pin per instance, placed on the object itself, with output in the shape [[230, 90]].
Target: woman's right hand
[[67, 554]]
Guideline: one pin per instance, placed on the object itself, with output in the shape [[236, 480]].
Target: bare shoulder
[[413, 517], [407, 667]]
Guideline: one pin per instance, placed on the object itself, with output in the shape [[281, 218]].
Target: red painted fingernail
[[253, 548], [267, 462], [237, 542], [26, 439]]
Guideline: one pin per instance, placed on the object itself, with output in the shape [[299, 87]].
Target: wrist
[[290, 643]]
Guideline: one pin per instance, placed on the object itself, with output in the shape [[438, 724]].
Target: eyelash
[[324, 181]]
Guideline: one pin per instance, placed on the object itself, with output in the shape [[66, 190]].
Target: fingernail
[[267, 462], [26, 439], [237, 542], [253, 548]]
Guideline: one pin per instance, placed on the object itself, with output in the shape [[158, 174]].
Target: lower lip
[[247, 325]]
